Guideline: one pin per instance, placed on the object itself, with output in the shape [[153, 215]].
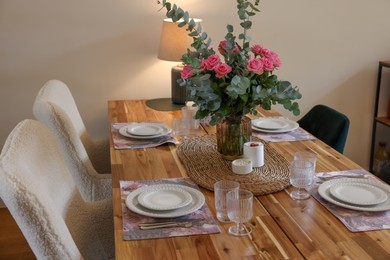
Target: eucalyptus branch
[[179, 15], [244, 15], [242, 79]]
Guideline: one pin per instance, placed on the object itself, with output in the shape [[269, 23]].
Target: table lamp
[[174, 42]]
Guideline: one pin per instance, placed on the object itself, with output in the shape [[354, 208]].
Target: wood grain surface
[[282, 228]]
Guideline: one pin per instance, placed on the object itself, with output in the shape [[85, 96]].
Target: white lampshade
[[174, 41]]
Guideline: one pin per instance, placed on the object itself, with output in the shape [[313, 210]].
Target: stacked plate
[[144, 130], [165, 200], [274, 125], [357, 194]]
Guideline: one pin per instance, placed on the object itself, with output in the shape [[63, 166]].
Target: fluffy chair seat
[[39, 191], [86, 158]]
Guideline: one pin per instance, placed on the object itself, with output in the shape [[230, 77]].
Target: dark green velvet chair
[[328, 125]]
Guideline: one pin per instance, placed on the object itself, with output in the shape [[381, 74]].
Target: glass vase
[[232, 133]]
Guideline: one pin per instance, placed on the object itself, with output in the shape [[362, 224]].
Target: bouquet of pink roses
[[232, 82]]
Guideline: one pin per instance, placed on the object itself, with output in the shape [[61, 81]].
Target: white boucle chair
[[39, 191], [86, 158]]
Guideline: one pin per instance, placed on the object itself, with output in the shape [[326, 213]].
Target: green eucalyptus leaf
[[203, 36], [192, 23], [242, 14], [246, 25], [193, 34], [168, 6], [254, 8], [186, 17], [170, 14], [229, 28]]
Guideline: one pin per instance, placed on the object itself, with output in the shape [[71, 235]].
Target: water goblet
[[307, 156], [301, 178], [240, 210]]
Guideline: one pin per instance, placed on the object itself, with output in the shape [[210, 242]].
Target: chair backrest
[[38, 190], [55, 92], [328, 125], [55, 107]]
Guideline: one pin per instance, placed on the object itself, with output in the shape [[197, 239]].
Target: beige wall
[[108, 50]]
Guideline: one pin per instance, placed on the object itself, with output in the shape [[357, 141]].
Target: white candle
[[242, 166], [254, 151]]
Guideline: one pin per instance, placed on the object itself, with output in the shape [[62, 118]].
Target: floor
[[13, 245]]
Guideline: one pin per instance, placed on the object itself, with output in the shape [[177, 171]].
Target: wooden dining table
[[283, 228]]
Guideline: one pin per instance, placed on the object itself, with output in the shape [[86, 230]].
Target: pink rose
[[275, 59], [257, 49], [222, 47], [212, 61], [203, 64], [255, 65], [186, 72], [222, 70], [268, 64]]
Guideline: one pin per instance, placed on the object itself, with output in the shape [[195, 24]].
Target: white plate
[[144, 129], [324, 191], [290, 125], [125, 130], [164, 197], [196, 203], [270, 123], [358, 193]]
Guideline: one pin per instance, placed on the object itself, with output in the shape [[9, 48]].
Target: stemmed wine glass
[[240, 210], [301, 178]]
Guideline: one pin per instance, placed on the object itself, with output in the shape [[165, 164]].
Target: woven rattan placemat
[[205, 166]]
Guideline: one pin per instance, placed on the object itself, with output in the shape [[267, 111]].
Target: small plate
[[290, 125], [358, 193], [164, 197], [137, 127], [324, 191], [270, 123], [197, 201], [144, 129]]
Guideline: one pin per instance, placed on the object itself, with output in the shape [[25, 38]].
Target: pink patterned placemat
[[298, 134], [124, 142], [354, 220], [202, 219]]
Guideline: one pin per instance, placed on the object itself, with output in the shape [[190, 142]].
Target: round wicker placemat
[[205, 166]]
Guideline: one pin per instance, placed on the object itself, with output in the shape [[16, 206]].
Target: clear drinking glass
[[240, 210], [221, 188], [307, 156], [188, 113], [180, 128], [301, 178]]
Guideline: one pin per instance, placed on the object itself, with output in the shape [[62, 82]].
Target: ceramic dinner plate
[[274, 125], [144, 130], [270, 123], [197, 201], [164, 197], [341, 187], [358, 193]]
